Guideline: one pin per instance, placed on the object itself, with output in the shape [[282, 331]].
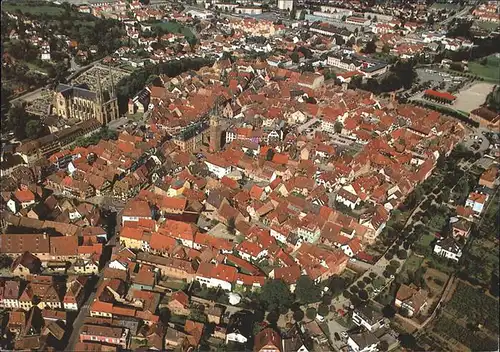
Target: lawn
[[173, 27], [32, 8], [489, 26], [425, 240], [489, 71], [445, 6], [412, 264]]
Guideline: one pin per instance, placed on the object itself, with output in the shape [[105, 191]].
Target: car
[[344, 334], [480, 140]]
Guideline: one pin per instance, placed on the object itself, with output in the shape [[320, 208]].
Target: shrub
[[311, 313], [389, 255], [367, 279], [390, 269], [372, 275], [361, 284], [347, 294], [354, 288]]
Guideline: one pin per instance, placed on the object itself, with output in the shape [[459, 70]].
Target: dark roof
[[369, 314], [364, 339], [11, 160]]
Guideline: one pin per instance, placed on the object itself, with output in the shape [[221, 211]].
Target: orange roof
[[441, 95], [220, 271], [24, 196], [174, 203], [161, 242], [132, 233], [281, 159], [180, 297]]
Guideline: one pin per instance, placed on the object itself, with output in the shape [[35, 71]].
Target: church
[[82, 103]]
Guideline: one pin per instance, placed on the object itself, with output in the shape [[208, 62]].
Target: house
[[294, 340], [410, 299], [367, 317], [461, 228], [86, 266], [476, 201], [218, 166], [135, 210], [25, 197], [75, 293], [448, 248], [216, 275], [239, 328], [179, 303], [17, 322], [486, 118], [26, 264], [488, 177], [9, 294], [268, 340], [116, 336], [363, 342]]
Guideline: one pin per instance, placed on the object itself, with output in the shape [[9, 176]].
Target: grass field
[[489, 71], [445, 6], [489, 26], [32, 8], [174, 27]]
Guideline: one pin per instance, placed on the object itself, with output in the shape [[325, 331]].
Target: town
[[283, 176]]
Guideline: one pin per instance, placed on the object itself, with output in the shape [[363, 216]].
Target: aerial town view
[[250, 175]]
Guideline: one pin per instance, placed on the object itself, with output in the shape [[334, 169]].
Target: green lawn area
[[489, 71], [173, 27], [426, 239], [445, 6], [412, 263], [32, 8], [486, 25]]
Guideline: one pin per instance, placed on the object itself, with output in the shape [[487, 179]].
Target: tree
[[276, 295], [337, 284], [231, 225], [370, 47], [311, 313], [363, 295], [337, 127], [323, 310], [344, 18], [5, 261], [302, 15], [34, 129], [270, 154], [298, 315], [295, 57], [402, 254], [293, 14], [306, 290], [17, 119]]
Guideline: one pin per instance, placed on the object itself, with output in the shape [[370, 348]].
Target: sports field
[[33, 8], [490, 71]]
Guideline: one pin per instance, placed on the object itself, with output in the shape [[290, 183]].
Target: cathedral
[[82, 103]]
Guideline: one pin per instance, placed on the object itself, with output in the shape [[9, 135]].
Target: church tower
[[215, 134]]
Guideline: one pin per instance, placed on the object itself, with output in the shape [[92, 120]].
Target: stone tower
[[215, 134]]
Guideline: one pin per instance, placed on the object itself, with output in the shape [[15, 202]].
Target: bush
[[389, 255], [327, 298], [311, 313], [367, 280], [438, 281], [386, 274], [372, 275], [361, 284], [390, 269], [402, 254], [354, 289], [347, 294], [323, 310]]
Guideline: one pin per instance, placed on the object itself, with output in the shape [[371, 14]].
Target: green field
[[173, 27], [32, 8], [489, 26], [489, 71], [445, 6]]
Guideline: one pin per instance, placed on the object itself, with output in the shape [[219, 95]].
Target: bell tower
[[215, 134]]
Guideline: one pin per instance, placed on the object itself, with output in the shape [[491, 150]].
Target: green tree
[[302, 15], [337, 127], [306, 290], [34, 129], [323, 310], [311, 313], [270, 154], [5, 261], [17, 119], [275, 295], [370, 47], [197, 314], [386, 49], [295, 57], [293, 14]]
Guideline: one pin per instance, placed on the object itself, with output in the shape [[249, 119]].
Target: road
[[460, 13]]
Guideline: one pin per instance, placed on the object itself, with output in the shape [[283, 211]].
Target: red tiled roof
[[441, 95]]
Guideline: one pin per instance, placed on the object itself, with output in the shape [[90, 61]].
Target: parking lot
[[437, 78], [477, 141]]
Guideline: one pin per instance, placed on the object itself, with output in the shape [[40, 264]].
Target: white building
[[203, 15], [285, 5], [368, 318], [219, 167], [214, 276], [364, 342], [448, 248]]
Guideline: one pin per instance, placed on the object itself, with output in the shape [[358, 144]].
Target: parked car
[[337, 337], [344, 335]]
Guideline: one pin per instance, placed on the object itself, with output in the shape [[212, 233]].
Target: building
[[268, 340], [79, 102], [411, 299], [476, 201], [363, 342], [486, 118], [442, 97], [285, 5], [215, 134], [219, 275], [367, 317], [489, 177], [191, 138], [116, 336], [448, 248], [218, 166]]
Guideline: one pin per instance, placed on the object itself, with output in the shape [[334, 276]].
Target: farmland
[[487, 69], [34, 8], [476, 306]]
